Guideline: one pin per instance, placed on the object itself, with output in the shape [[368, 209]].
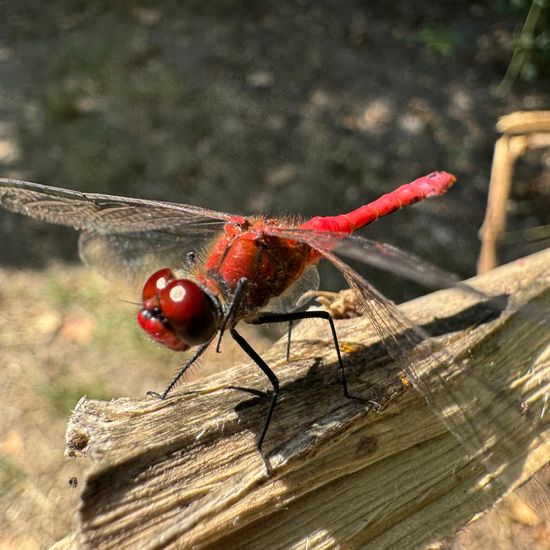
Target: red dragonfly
[[224, 268], [251, 269]]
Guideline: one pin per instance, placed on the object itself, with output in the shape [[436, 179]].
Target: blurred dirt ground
[[289, 107]]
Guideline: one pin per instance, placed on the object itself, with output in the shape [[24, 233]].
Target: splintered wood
[[185, 472]]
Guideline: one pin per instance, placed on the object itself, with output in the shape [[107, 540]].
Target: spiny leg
[[253, 354], [298, 315], [233, 307], [180, 373], [288, 339]]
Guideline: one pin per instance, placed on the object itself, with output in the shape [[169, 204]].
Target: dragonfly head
[[177, 312]]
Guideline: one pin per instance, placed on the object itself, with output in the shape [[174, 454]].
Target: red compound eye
[[156, 282], [159, 331], [177, 312], [189, 311], [181, 300]]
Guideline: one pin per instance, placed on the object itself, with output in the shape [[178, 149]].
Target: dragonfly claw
[[268, 469], [375, 404], [155, 394]]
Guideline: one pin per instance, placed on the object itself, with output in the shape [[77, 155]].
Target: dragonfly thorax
[[177, 312]]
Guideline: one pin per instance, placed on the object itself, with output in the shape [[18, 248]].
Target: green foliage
[[438, 40], [531, 53]]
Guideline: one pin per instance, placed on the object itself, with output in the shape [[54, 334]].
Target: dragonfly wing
[[104, 213], [120, 236], [381, 255], [492, 436], [488, 421], [133, 256]]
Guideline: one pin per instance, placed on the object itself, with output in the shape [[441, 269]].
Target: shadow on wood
[[185, 472]]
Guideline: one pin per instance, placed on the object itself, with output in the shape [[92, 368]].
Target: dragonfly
[[202, 272], [206, 271]]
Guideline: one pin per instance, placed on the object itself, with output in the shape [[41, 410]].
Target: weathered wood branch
[[185, 472]]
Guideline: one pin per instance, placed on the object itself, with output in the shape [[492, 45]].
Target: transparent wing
[[500, 435], [380, 255], [103, 213], [134, 256], [494, 436], [120, 236]]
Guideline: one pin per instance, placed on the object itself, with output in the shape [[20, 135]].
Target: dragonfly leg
[[233, 307], [292, 316], [253, 354], [180, 373], [289, 338]]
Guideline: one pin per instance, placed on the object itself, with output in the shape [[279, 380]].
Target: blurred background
[[288, 107]]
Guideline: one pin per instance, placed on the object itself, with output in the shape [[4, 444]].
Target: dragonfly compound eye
[[156, 282], [189, 311], [153, 324]]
